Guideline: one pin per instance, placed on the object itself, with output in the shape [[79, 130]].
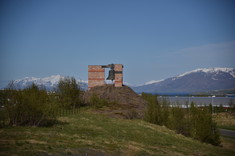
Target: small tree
[[203, 127], [30, 106], [178, 120], [157, 112], [69, 93], [195, 122], [151, 112], [165, 112]]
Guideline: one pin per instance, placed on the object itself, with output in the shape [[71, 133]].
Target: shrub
[[195, 122], [97, 102], [132, 114], [178, 120], [203, 128], [69, 93], [151, 114], [157, 113], [30, 106]]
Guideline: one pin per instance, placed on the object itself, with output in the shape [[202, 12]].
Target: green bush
[[202, 127], [178, 120], [69, 93], [30, 106], [156, 113], [195, 122], [132, 114], [34, 106], [97, 102]]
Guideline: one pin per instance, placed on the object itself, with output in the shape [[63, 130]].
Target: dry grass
[[95, 134], [225, 120], [228, 144]]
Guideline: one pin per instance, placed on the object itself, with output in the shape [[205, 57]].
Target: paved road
[[229, 133]]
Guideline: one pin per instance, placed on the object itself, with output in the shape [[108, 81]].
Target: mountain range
[[199, 80], [49, 83]]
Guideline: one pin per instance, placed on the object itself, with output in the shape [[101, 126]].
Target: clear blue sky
[[153, 39]]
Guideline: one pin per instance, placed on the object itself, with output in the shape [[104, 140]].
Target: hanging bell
[[111, 75]]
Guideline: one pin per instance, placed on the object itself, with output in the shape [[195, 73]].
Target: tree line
[[195, 122], [34, 106]]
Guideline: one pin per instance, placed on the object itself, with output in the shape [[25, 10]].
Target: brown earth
[[123, 101]]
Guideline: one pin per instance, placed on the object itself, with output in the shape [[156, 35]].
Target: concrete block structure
[[96, 75]]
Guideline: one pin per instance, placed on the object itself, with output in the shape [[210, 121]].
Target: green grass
[[229, 137], [228, 127], [228, 143], [97, 134]]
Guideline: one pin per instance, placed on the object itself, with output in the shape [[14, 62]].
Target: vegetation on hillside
[[34, 106], [88, 133], [225, 120], [69, 93], [31, 106], [192, 121]]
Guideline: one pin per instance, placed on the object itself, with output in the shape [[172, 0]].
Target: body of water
[[203, 101]]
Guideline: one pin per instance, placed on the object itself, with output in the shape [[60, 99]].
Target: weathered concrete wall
[[96, 76]]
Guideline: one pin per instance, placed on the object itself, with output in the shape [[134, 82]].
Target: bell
[[111, 75]]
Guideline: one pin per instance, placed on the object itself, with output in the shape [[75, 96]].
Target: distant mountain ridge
[[49, 83], [199, 80]]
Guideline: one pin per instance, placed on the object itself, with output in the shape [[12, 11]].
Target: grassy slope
[[97, 134], [225, 120]]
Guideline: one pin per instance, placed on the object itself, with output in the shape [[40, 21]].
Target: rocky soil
[[123, 101]]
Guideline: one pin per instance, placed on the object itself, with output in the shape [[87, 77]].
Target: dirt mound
[[126, 99], [122, 95]]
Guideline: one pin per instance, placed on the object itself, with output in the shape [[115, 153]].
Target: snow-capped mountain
[[215, 71], [151, 82], [50, 83], [199, 80]]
